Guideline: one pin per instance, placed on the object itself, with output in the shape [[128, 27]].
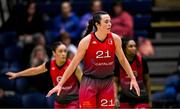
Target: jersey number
[[105, 102], [101, 54]]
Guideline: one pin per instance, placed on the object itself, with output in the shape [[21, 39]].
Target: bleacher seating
[[7, 38], [34, 100], [138, 6], [142, 21], [5, 83], [140, 9]]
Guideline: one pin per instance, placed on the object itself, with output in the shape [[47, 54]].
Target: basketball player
[[128, 99], [98, 50], [69, 97]]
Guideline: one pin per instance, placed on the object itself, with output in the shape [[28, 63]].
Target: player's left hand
[[135, 85]]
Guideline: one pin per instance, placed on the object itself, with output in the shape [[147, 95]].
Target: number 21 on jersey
[[101, 54]]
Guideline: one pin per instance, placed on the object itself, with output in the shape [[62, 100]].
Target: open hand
[[135, 86], [56, 89], [11, 75]]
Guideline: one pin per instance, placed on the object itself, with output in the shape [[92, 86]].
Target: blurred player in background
[[128, 99], [69, 97]]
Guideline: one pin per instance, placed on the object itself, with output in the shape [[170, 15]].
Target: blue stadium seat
[[1, 56], [34, 100], [107, 6], [142, 21], [48, 24], [11, 101], [138, 6], [21, 85], [51, 9], [10, 66], [7, 38], [172, 81], [5, 83], [81, 8], [178, 99], [51, 100], [1, 64], [50, 37], [141, 33]]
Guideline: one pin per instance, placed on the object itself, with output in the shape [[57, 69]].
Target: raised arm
[[125, 64], [28, 72]]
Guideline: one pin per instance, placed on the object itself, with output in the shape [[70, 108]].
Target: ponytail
[[96, 19], [89, 27]]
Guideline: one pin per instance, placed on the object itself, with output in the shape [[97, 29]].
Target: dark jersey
[[139, 68]]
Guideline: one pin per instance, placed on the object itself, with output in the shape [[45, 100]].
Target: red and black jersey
[[99, 57], [70, 89], [137, 68]]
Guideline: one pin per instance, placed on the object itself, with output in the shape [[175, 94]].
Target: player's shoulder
[[87, 38], [85, 41], [115, 36]]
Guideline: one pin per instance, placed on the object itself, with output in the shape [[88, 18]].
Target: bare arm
[[121, 57], [84, 43], [28, 72], [78, 73], [125, 64], [76, 60]]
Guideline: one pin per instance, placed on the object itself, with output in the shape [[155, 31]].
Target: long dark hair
[[96, 19]]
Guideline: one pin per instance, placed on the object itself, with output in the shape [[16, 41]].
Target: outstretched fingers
[[59, 90], [56, 89], [11, 75], [137, 90], [50, 93], [131, 86], [136, 87]]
